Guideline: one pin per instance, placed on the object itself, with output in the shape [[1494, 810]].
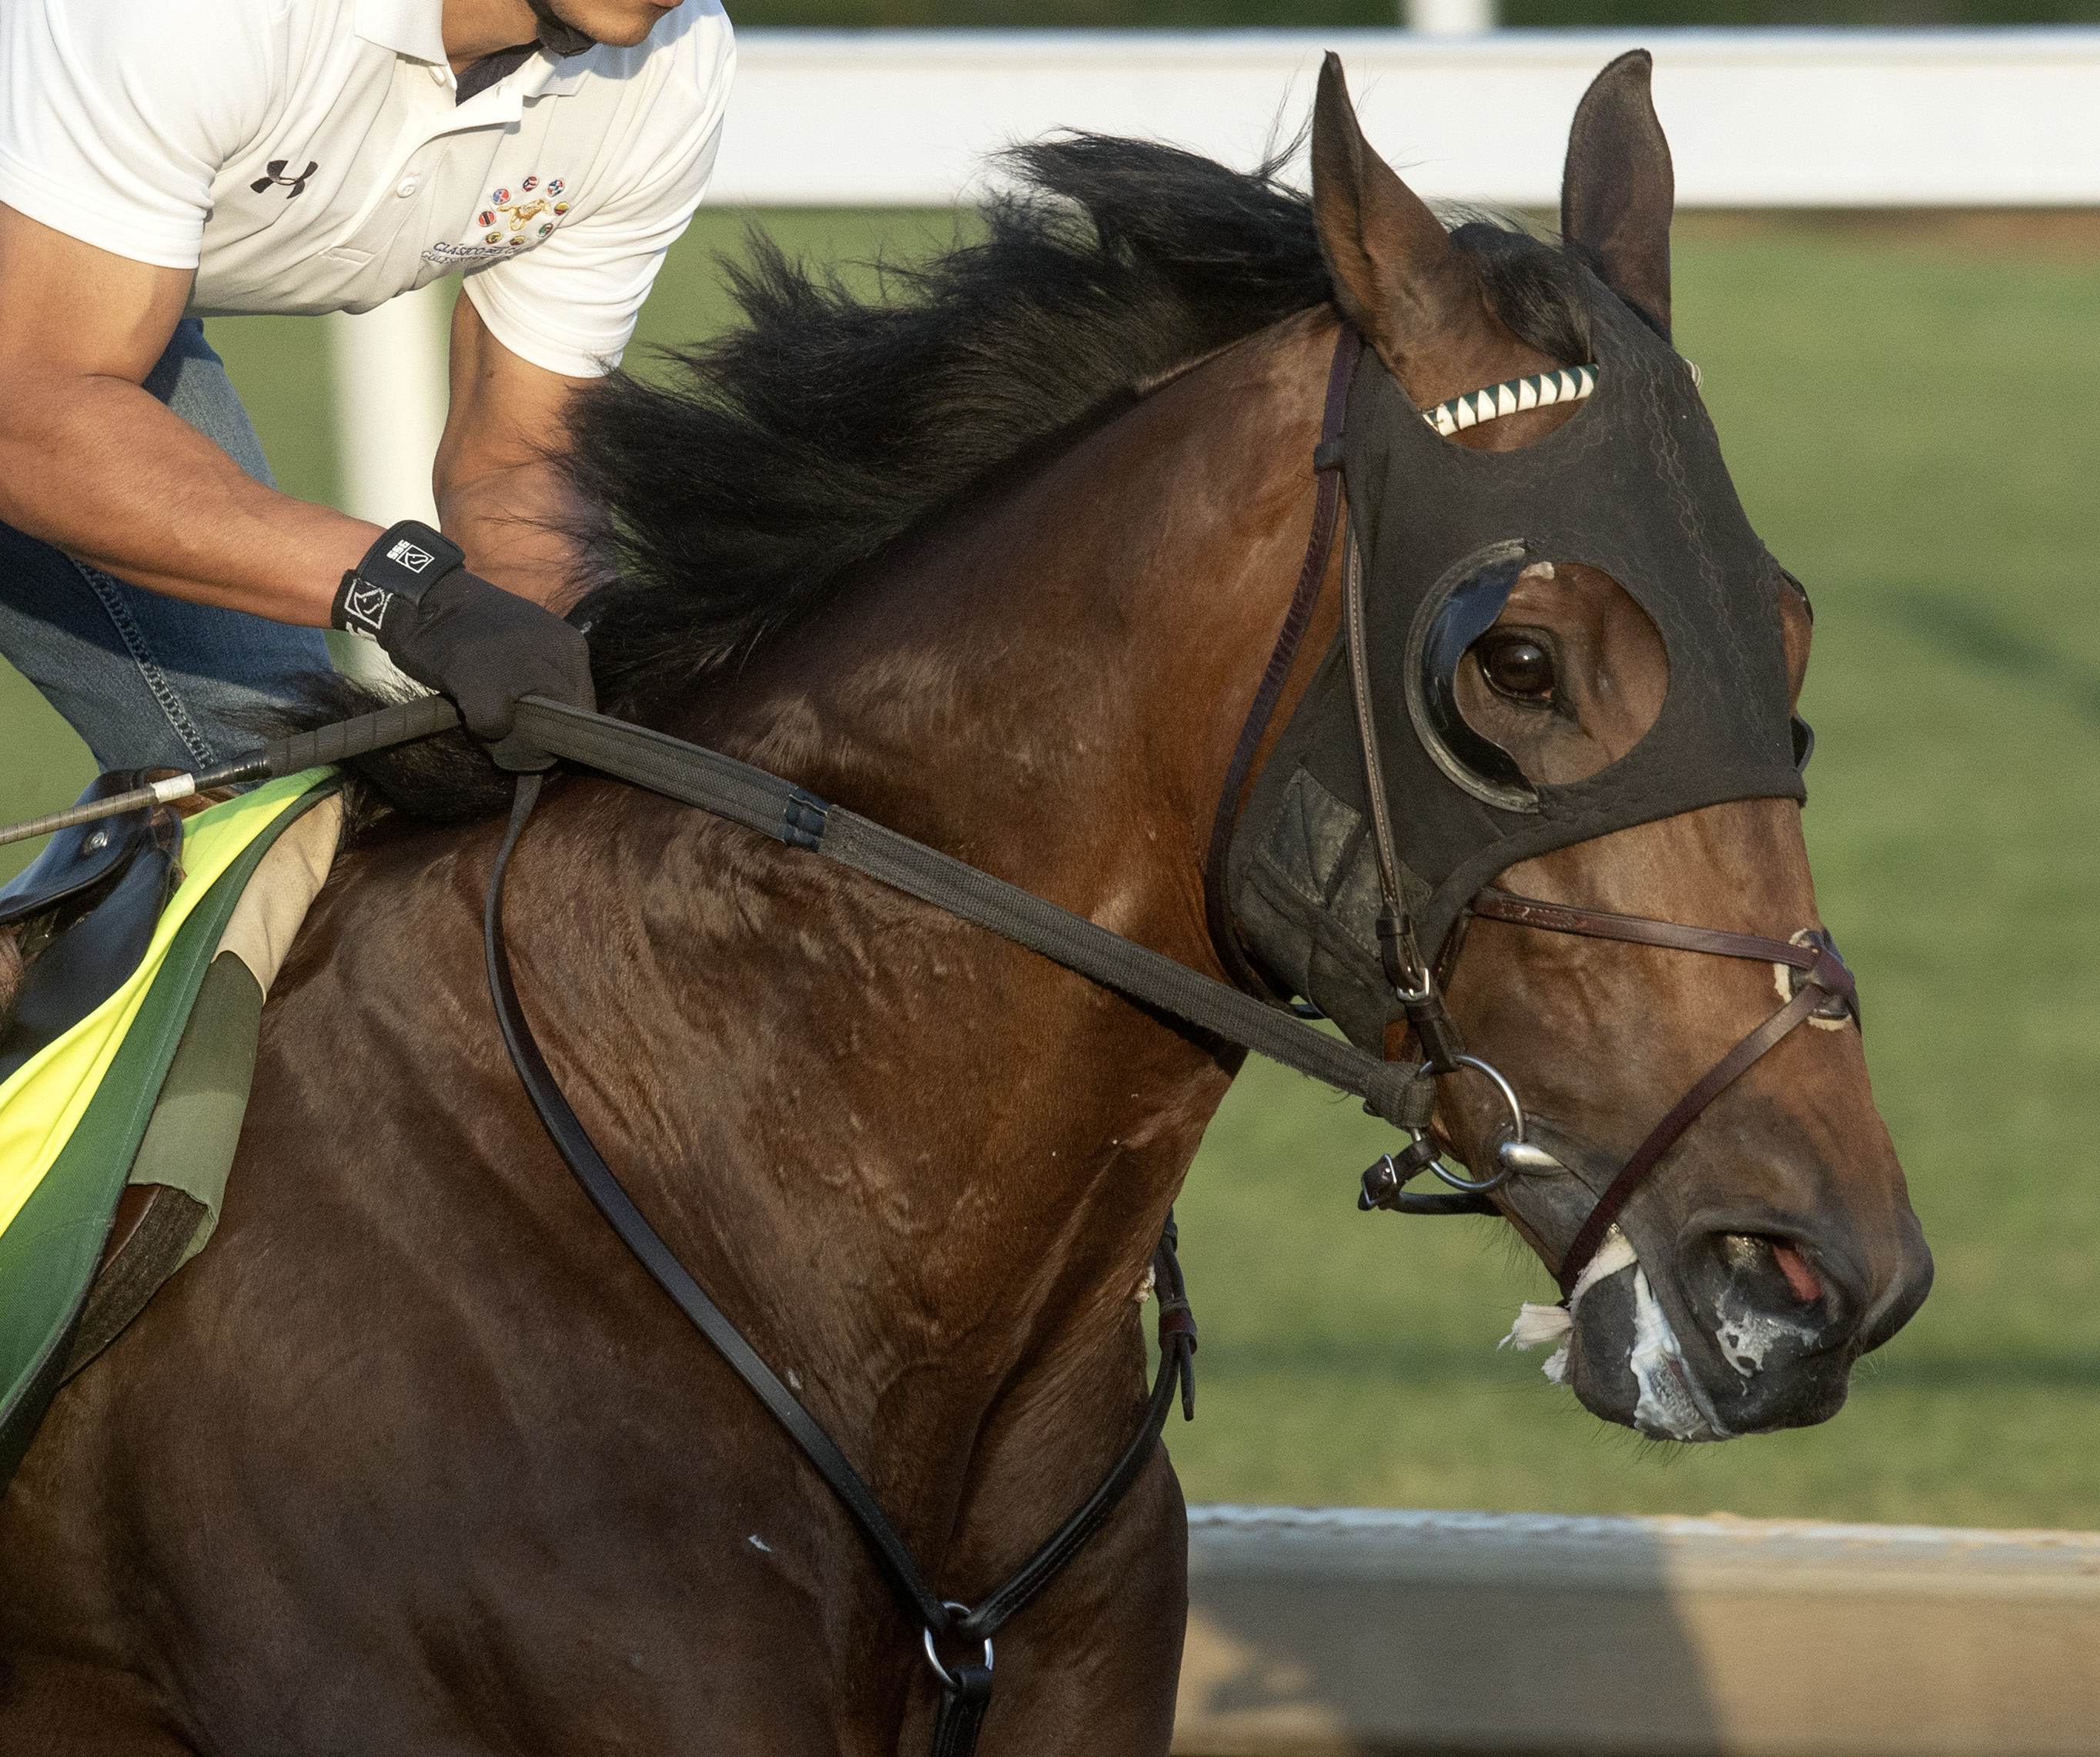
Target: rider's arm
[[501, 496], [98, 468]]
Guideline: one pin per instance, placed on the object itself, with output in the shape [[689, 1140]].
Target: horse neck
[[979, 1147]]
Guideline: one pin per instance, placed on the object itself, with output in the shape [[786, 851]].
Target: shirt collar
[[542, 76], [414, 28]]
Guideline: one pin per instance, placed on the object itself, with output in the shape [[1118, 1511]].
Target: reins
[[1402, 1094], [721, 784]]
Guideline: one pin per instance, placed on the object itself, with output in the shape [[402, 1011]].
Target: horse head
[[1582, 668]]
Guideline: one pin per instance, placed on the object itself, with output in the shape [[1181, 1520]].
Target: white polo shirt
[[309, 155]]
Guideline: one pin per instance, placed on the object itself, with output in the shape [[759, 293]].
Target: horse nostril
[[1799, 1276], [1753, 1257]]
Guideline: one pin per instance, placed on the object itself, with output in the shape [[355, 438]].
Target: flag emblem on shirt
[[526, 208], [515, 219]]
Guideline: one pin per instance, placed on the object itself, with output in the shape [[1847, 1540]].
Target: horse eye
[[1518, 667]]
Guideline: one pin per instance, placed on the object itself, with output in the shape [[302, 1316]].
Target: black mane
[[791, 453], [787, 456]]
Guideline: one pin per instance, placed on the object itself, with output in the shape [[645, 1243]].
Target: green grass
[[1908, 420]]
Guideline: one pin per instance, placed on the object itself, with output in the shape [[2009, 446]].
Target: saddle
[[126, 1055], [85, 913]]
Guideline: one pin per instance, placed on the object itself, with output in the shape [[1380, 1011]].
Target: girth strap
[[965, 1688], [1825, 975]]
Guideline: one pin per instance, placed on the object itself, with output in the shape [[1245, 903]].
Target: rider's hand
[[486, 647], [474, 641]]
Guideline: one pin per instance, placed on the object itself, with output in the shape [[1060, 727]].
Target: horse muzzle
[[1731, 1320]]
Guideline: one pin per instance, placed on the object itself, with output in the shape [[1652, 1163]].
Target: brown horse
[[415, 1457]]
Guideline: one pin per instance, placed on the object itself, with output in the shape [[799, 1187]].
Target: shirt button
[[406, 187]]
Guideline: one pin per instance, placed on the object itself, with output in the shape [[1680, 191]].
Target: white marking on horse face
[[1144, 1286], [757, 1542]]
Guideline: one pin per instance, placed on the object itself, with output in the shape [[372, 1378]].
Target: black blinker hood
[[1633, 484]]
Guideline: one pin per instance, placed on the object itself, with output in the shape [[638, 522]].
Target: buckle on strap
[[802, 820]]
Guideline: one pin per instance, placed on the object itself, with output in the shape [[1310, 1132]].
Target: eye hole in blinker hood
[[1442, 635], [1607, 686]]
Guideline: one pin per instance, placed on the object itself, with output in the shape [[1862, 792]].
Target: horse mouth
[[1723, 1324], [1622, 1358]]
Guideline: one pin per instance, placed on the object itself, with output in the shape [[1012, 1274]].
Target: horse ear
[[1397, 276], [1618, 190]]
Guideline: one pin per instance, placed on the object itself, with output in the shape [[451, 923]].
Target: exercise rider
[[166, 160]]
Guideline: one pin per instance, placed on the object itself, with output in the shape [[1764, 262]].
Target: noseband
[[1818, 984]]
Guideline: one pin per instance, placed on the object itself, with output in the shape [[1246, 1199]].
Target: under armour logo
[[276, 170]]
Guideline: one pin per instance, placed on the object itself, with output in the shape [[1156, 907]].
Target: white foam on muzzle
[[1538, 1325], [1666, 1408]]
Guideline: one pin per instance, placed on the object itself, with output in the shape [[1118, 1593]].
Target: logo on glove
[[364, 605], [414, 559]]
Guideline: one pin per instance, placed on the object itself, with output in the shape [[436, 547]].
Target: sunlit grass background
[[1908, 409]]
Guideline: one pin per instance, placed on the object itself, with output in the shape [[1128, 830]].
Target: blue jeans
[[149, 681]]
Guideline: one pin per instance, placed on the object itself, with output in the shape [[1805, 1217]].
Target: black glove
[[480, 645]]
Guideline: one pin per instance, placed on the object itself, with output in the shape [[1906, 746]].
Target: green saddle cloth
[[73, 1117]]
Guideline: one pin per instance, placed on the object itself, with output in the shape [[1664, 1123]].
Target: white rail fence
[[1755, 118], [1345, 1630]]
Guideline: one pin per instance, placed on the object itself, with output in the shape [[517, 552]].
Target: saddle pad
[[71, 1118]]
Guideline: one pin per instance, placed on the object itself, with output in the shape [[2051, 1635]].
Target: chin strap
[[1414, 982]]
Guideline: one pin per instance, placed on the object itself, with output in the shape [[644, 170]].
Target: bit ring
[[1476, 1187]]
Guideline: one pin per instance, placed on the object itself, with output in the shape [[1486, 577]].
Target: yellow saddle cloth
[[73, 1118]]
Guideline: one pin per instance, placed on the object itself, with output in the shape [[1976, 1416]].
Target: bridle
[[1246, 1013], [1818, 984], [1400, 1092]]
